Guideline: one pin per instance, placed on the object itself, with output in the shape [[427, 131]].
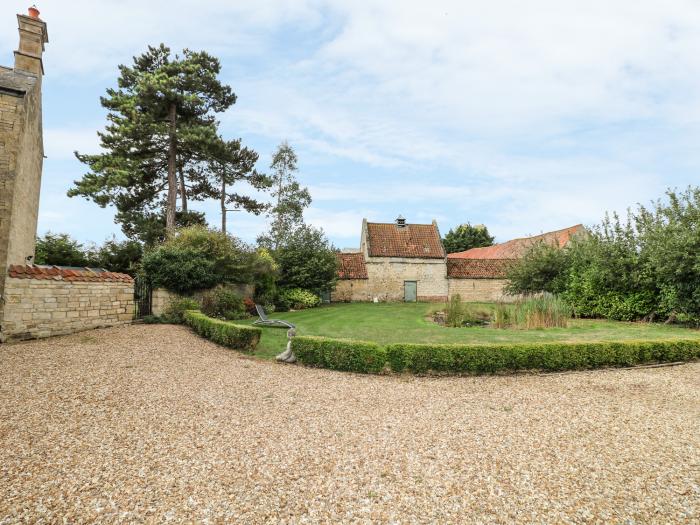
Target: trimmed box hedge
[[338, 354], [484, 359], [224, 333]]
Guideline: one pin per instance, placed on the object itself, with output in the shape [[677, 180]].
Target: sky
[[523, 116]]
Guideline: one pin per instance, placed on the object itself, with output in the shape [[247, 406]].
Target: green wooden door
[[410, 291]]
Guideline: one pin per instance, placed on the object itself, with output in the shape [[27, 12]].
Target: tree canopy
[[290, 199], [647, 266], [161, 120], [465, 236]]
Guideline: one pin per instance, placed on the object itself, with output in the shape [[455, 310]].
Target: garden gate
[[143, 295]]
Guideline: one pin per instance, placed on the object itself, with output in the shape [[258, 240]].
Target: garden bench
[[266, 321]]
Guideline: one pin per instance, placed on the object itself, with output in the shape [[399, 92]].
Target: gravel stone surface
[[149, 423]]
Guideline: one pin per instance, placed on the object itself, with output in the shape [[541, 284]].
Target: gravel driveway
[[152, 424]]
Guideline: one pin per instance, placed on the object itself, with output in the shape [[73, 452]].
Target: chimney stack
[[400, 221], [32, 37]]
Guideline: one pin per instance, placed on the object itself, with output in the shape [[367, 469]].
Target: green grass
[[405, 323]]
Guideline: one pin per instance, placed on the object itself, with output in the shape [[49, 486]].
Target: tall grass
[[454, 313], [457, 313], [536, 311]]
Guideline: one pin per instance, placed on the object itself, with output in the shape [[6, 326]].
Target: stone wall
[[386, 276], [63, 301], [161, 298], [479, 290], [351, 290]]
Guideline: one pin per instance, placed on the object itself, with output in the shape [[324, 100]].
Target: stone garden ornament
[[288, 356]]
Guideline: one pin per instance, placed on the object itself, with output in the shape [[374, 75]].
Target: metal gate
[[142, 297]]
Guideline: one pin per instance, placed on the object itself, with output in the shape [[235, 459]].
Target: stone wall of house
[[24, 152], [351, 290], [386, 276], [479, 290], [37, 308], [161, 298]]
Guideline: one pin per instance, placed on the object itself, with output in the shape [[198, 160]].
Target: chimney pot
[[400, 221], [34, 12]]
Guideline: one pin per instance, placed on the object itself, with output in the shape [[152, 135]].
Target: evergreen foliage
[[465, 236], [161, 118], [61, 250], [306, 260]]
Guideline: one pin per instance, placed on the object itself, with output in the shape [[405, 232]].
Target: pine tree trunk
[[223, 204], [183, 190], [172, 176]]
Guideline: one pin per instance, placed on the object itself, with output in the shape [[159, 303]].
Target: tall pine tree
[[161, 118]]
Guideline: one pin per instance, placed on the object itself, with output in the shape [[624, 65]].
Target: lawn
[[406, 322]]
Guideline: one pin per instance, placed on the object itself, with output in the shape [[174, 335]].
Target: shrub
[[152, 319], [543, 268], [481, 359], [249, 306], [223, 303], [223, 332], [337, 354], [197, 258], [298, 298], [180, 270], [175, 311], [306, 260]]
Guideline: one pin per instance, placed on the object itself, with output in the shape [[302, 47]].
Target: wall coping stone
[[63, 273]]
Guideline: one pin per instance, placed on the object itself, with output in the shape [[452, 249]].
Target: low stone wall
[[42, 302], [161, 298]]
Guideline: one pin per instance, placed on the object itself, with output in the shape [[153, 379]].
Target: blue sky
[[524, 116]]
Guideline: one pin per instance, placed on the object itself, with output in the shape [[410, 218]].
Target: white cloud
[[526, 116]]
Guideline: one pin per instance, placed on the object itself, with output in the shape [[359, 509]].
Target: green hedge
[[223, 332], [338, 354], [480, 359]]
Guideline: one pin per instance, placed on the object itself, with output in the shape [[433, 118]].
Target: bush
[[197, 258], [306, 260], [223, 303], [180, 270], [298, 299], [481, 359], [249, 306], [152, 319], [222, 332], [175, 311], [338, 354]]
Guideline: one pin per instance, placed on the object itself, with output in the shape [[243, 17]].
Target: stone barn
[[396, 262], [407, 262]]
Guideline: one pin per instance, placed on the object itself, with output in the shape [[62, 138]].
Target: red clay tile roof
[[517, 247], [413, 240], [352, 266], [58, 273], [477, 268]]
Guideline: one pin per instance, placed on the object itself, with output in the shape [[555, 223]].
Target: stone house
[[407, 262], [39, 301]]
